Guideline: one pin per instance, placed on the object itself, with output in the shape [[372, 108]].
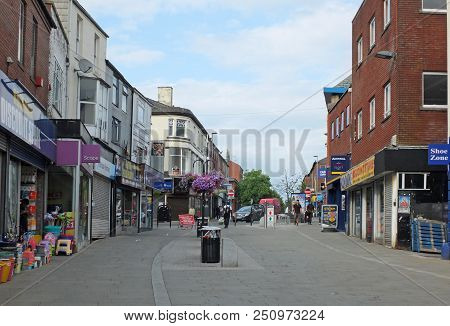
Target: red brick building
[[235, 174], [399, 105]]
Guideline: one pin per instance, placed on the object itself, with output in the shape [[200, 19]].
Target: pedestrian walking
[[297, 212], [309, 214], [217, 212], [226, 216]]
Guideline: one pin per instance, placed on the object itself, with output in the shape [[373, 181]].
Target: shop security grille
[[3, 142], [101, 209], [388, 211]]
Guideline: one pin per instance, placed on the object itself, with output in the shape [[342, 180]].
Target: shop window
[[13, 200]]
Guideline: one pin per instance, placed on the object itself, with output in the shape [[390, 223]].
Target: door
[[358, 213], [369, 214]]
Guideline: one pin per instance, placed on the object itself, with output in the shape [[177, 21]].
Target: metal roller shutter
[[3, 142], [388, 211], [101, 209], [27, 154]]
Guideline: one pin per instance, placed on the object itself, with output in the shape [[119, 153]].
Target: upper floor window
[[116, 126], [170, 127], [342, 121], [387, 100], [115, 97], [360, 50], [34, 48], [348, 115], [96, 48], [434, 5], [181, 128], [332, 130], [88, 100], [359, 125], [78, 35], [372, 32], [337, 127], [21, 40], [434, 90], [124, 99], [141, 113], [372, 114], [387, 12], [57, 92]]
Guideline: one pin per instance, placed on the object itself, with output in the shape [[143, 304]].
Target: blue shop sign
[[339, 164], [165, 186], [322, 173], [438, 154], [22, 115]]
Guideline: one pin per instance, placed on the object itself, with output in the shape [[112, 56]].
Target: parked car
[[249, 213]]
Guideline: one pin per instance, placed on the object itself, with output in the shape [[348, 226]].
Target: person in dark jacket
[[226, 216]]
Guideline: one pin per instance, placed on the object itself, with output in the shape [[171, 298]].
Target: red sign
[[308, 192], [186, 220], [231, 193]]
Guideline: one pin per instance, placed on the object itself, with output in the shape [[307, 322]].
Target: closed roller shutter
[[388, 211], [101, 209], [27, 154], [3, 142]]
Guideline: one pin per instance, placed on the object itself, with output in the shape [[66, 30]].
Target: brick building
[[398, 106], [235, 175], [27, 136]]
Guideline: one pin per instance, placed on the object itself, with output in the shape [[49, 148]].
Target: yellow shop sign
[[363, 171]]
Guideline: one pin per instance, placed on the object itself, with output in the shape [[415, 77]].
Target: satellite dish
[[85, 65]]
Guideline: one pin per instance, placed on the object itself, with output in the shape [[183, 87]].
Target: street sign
[[438, 154], [165, 186], [231, 193], [270, 216], [330, 217]]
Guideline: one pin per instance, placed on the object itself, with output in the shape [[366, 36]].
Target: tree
[[290, 185], [254, 186]]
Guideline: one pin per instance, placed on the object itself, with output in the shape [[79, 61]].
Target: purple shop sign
[[90, 153], [67, 153]]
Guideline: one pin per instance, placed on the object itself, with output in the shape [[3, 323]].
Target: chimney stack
[[165, 95]]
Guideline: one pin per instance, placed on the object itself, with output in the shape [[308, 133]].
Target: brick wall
[[419, 40], [9, 22], [339, 145]]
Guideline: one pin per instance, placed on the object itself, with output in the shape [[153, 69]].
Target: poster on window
[[404, 204], [158, 149]]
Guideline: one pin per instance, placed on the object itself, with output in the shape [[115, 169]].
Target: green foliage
[[255, 185]]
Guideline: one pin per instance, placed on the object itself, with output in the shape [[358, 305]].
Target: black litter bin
[[210, 244], [199, 225]]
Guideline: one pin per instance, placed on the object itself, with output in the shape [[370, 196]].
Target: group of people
[[299, 216], [224, 211]]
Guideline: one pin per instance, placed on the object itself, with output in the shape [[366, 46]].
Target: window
[[348, 115], [96, 48], [387, 100], [434, 5], [337, 127], [413, 181], [178, 161], [78, 39], [372, 114], [88, 100], [115, 138], [21, 34], [170, 127], [181, 128], [359, 127], [332, 130], [434, 90], [141, 113], [102, 125], [387, 12], [124, 99], [342, 121], [360, 50], [57, 92], [34, 39], [372, 32], [115, 98]]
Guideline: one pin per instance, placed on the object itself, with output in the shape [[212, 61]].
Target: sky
[[239, 65]]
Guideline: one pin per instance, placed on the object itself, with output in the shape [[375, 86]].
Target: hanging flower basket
[[206, 183]]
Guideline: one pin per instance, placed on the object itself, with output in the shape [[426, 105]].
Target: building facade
[[235, 175], [399, 104]]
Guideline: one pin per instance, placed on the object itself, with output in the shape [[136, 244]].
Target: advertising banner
[[339, 164], [329, 217], [186, 221], [404, 204], [301, 198], [438, 154]]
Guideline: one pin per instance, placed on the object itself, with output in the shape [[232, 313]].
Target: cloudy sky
[[238, 64]]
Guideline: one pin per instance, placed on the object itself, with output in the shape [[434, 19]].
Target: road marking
[[159, 286]]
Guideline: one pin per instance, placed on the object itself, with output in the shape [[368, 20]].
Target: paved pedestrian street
[[288, 265]]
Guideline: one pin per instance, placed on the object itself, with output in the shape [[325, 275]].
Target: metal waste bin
[[199, 225], [210, 244]]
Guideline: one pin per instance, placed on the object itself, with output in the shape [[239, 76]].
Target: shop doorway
[[127, 210], [369, 214], [379, 212], [357, 199]]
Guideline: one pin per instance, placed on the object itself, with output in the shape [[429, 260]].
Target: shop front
[[151, 176], [104, 176], [127, 205]]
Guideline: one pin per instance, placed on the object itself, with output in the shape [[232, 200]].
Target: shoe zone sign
[[438, 154]]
